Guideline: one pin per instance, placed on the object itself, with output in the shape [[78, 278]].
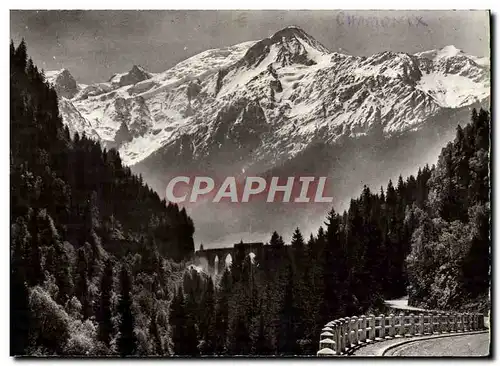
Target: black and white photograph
[[250, 183]]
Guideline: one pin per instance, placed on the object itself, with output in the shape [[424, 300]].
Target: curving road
[[475, 345], [437, 345]]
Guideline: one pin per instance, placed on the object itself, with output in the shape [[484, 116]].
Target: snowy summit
[[287, 90]]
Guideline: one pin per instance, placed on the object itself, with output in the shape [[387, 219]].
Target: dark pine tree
[[208, 333], [177, 322], [190, 327], [127, 341], [298, 246], [240, 341], [82, 288], [222, 312], [104, 314], [334, 271], [262, 346], [276, 240], [287, 337]]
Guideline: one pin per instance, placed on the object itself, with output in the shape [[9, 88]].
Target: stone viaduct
[[217, 257]]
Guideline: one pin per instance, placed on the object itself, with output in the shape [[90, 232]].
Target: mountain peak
[[293, 32], [290, 31], [442, 53], [136, 74], [64, 83], [449, 51], [290, 45], [138, 68], [49, 75]]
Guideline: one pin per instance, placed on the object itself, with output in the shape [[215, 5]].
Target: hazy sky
[[93, 45]]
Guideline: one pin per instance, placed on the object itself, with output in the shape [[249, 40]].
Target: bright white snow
[[339, 94], [451, 90]]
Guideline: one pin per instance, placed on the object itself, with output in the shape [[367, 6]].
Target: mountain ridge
[[287, 60], [289, 48], [255, 106]]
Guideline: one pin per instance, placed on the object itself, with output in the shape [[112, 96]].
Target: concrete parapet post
[[476, 321], [412, 324], [344, 333], [325, 335], [341, 335], [421, 324], [338, 348], [355, 330], [441, 323], [347, 337], [453, 322], [362, 325], [325, 352], [382, 326], [402, 329], [349, 333], [327, 343], [392, 326], [431, 323], [335, 332], [371, 332]]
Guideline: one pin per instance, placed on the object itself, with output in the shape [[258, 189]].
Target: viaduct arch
[[238, 250]]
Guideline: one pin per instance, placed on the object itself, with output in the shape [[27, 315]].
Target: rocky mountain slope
[[297, 87], [260, 105]]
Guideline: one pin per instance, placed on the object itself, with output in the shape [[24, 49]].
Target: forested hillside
[[83, 230], [449, 263]]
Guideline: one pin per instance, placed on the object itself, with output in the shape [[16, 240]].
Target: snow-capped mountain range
[[295, 88], [281, 106]]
